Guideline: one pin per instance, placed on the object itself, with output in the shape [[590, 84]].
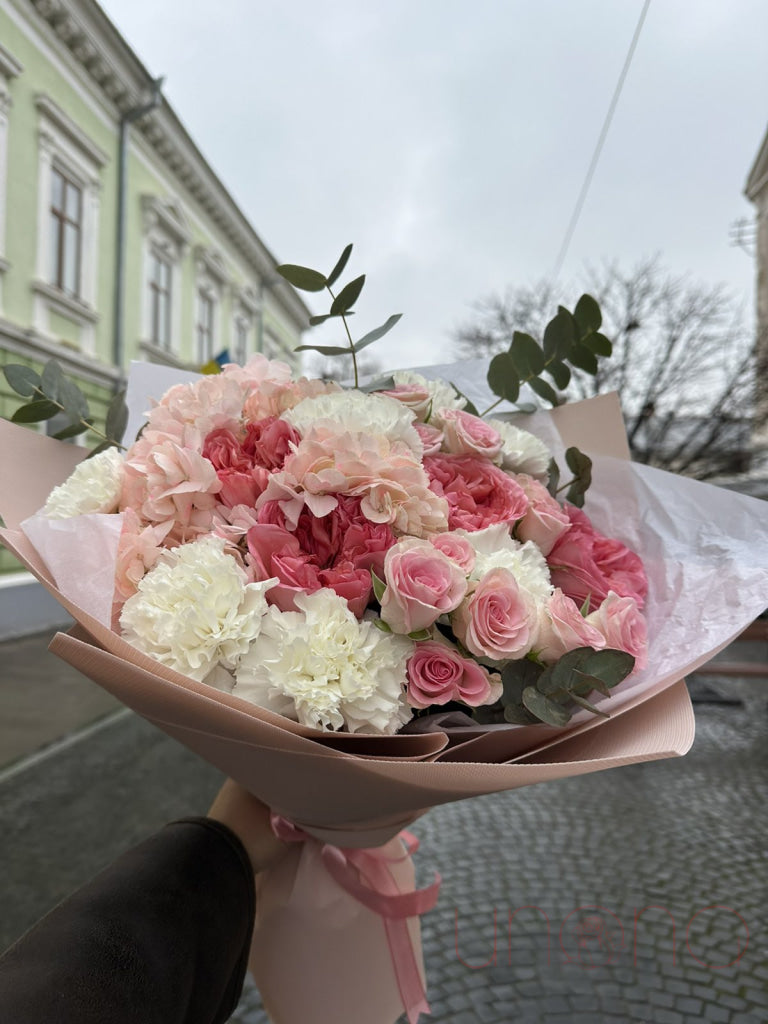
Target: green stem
[[490, 407], [349, 336], [85, 423]]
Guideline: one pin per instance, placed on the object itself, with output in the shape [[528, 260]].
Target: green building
[[117, 239]]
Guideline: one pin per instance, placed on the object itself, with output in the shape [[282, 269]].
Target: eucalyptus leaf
[[554, 477], [348, 296], [544, 390], [559, 373], [50, 381], [610, 665], [516, 676], [117, 418], [303, 278], [71, 431], [560, 676], [338, 270], [587, 315], [559, 335], [23, 379], [74, 401], [100, 448], [35, 412], [543, 708], [324, 350], [377, 332], [599, 344], [584, 703], [503, 379], [380, 384], [526, 354], [581, 356], [516, 715]]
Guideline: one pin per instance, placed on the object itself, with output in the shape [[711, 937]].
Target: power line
[[599, 147]]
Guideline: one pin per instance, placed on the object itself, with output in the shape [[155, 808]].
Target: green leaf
[[559, 335], [526, 355], [71, 431], [554, 477], [377, 332], [610, 665], [339, 268], [24, 380], [599, 344], [34, 412], [100, 448], [117, 418], [74, 401], [380, 384], [315, 320], [581, 467], [503, 379], [324, 350], [382, 625], [585, 360], [379, 586], [543, 708], [303, 278], [516, 715], [348, 296], [587, 315], [50, 382], [515, 677], [543, 390], [560, 676], [420, 634], [583, 703], [469, 407], [560, 374]]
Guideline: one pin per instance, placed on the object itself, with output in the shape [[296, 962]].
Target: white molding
[[71, 130], [32, 345], [167, 217], [162, 356], [9, 66], [64, 305]]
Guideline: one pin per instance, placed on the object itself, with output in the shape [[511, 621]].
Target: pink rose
[[417, 397], [584, 563], [545, 521], [269, 442], [563, 628], [622, 624], [437, 674], [478, 493], [422, 584], [466, 434], [498, 619], [457, 548], [431, 437]]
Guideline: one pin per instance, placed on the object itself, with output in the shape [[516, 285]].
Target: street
[[634, 895]]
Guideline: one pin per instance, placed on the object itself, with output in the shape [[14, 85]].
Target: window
[[242, 332], [160, 300], [205, 315], [66, 232]]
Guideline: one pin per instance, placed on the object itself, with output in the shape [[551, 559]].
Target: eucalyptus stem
[[349, 336], [491, 406], [84, 423]]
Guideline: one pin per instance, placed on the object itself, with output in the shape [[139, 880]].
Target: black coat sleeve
[[161, 936]]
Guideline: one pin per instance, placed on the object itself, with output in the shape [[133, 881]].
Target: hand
[[248, 818]]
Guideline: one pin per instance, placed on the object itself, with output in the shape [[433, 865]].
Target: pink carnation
[[478, 493], [584, 563], [466, 434], [437, 674]]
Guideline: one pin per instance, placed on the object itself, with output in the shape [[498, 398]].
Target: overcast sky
[[449, 139]]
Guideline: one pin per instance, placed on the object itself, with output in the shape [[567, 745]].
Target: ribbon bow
[[364, 874]]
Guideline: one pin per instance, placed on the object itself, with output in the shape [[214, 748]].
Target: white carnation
[[322, 667], [522, 452], [496, 549], [442, 393], [94, 486], [355, 412], [195, 610]]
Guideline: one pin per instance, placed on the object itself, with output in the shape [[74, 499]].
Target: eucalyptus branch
[[349, 337]]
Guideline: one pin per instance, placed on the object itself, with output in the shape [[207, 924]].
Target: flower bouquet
[[360, 603]]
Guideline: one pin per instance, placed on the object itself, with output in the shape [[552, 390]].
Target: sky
[[449, 139]]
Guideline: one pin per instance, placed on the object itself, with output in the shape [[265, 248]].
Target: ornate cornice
[[53, 112], [85, 30], [9, 66]]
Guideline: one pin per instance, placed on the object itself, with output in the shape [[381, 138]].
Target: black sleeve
[[161, 936]]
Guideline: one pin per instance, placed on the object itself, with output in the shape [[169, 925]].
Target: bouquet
[[361, 603]]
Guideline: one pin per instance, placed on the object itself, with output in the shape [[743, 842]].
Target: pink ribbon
[[365, 876]]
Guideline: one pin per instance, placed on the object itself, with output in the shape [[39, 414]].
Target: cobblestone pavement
[[686, 839]]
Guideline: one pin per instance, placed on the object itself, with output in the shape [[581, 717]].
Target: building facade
[[117, 239], [756, 191]]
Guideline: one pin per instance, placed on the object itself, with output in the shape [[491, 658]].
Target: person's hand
[[248, 818]]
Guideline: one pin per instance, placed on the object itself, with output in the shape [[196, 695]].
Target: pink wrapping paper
[[359, 791]]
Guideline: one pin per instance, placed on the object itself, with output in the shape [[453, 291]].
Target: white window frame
[[167, 236], [10, 68], [210, 282], [246, 310], [61, 141]]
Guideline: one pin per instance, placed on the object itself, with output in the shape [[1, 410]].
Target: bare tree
[[682, 363], [339, 368]]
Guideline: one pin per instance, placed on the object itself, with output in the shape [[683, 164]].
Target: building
[[117, 239]]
